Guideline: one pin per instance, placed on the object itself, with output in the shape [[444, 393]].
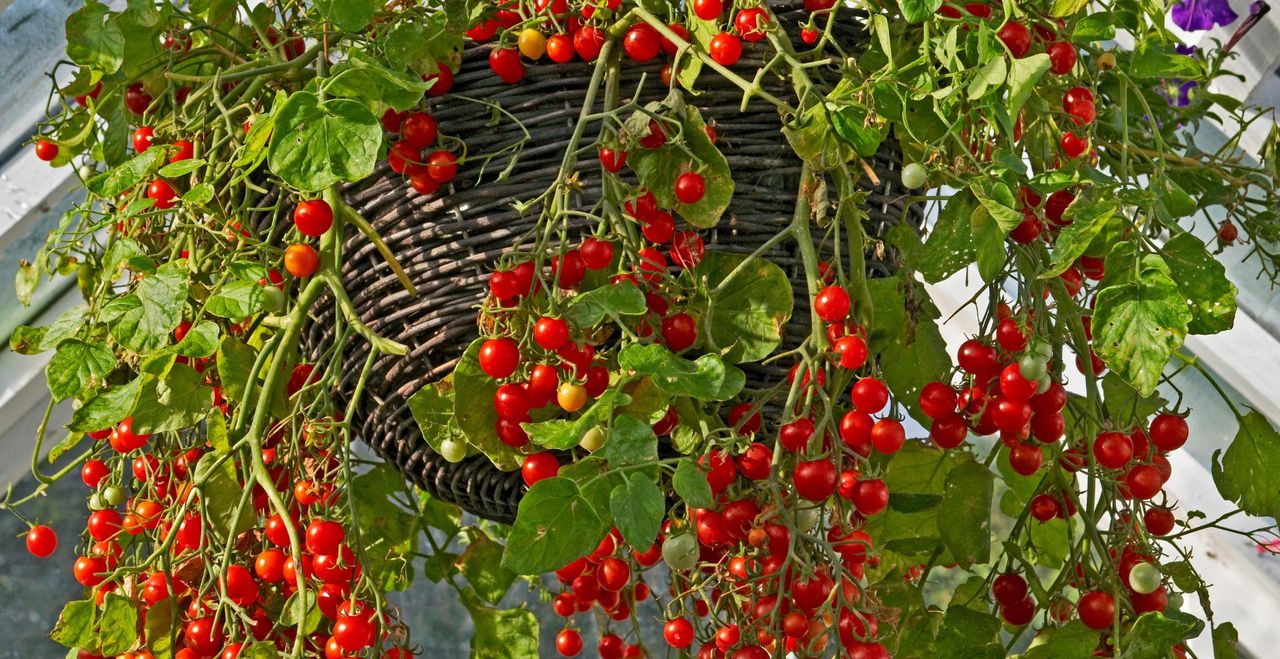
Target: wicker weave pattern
[[448, 242]]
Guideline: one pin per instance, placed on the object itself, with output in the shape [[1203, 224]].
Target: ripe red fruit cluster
[[610, 579]]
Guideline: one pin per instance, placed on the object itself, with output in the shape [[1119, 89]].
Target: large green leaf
[[638, 508], [857, 127], [745, 320], [236, 300], [106, 407], [610, 300], [75, 626], [143, 320], [630, 441], [1070, 641], [906, 338], [112, 182], [349, 15], [380, 87], [480, 563], [658, 169], [93, 40], [916, 476], [968, 634], [1155, 60], [919, 11], [706, 378], [1203, 281], [1024, 73], [316, 144], [502, 633], [388, 532], [949, 247], [1088, 215], [220, 491], [555, 524], [76, 366], [118, 628], [178, 400], [1248, 473], [1137, 325], [432, 408], [691, 484], [563, 434], [473, 391], [964, 514], [1154, 635]]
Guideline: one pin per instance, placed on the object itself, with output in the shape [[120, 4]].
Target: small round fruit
[[506, 64], [453, 450], [550, 333], [725, 49], [418, 130], [569, 643], [442, 166], [641, 42], [1097, 610], [690, 188], [46, 150], [832, 304], [499, 357], [571, 396], [532, 44], [914, 176], [679, 331], [1168, 432], [42, 541], [678, 633], [708, 10], [301, 260], [593, 439], [313, 217], [1145, 578], [1016, 37], [538, 466], [680, 551], [1062, 57]]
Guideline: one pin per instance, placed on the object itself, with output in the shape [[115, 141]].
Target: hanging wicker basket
[[449, 242]]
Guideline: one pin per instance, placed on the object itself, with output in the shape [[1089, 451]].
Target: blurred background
[[1244, 578]]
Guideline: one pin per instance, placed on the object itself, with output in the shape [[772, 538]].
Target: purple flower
[[1177, 92], [1195, 15], [1184, 49]]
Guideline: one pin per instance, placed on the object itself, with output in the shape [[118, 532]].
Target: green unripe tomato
[[680, 551], [1144, 578], [1175, 602], [593, 439], [1043, 384], [1042, 350], [806, 519], [112, 495], [272, 299], [1032, 367], [914, 176], [453, 450], [96, 502]]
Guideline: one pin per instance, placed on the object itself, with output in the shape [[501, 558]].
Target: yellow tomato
[[532, 44], [571, 396], [593, 439]]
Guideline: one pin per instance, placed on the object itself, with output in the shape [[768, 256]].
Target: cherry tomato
[[440, 82], [538, 466], [678, 633], [1016, 37], [1062, 57], [690, 187], [560, 48], [815, 480], [832, 304], [42, 541], [752, 23], [499, 357], [708, 10], [301, 260], [679, 331], [1097, 610], [725, 49], [418, 130], [313, 217], [641, 42], [46, 150], [569, 643]]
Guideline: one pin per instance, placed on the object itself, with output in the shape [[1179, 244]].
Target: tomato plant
[[791, 442]]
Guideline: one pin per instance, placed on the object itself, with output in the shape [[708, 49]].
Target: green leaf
[[432, 408], [349, 15], [744, 321], [181, 168], [316, 144], [1123, 401], [236, 300], [1071, 641], [388, 532], [420, 45], [906, 337], [997, 199], [919, 11], [1137, 325], [106, 407], [658, 169], [563, 434], [638, 508], [1024, 73], [24, 282], [691, 484], [630, 441], [988, 244], [178, 400], [201, 340], [254, 150], [75, 626], [949, 247], [376, 85], [220, 491], [916, 476], [473, 391], [1172, 202], [1153, 60], [990, 76], [1062, 8], [1088, 216], [93, 40], [1098, 26], [1248, 473], [119, 625], [856, 126], [1203, 281], [235, 361], [1153, 636], [502, 633], [1225, 640], [143, 320], [554, 526], [611, 300], [707, 378], [68, 442], [480, 563], [161, 629], [112, 182], [964, 515], [312, 617], [265, 649], [968, 634], [76, 366]]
